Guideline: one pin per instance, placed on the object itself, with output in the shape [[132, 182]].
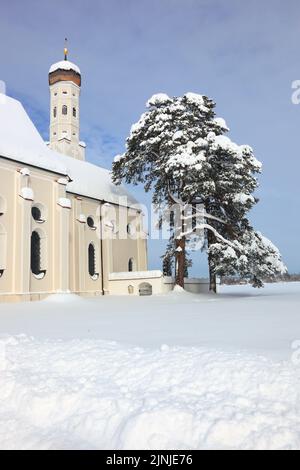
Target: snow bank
[[64, 297], [174, 371], [100, 395]]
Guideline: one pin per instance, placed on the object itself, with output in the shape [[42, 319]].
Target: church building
[[64, 226]]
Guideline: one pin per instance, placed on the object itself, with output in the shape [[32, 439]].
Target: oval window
[[91, 223], [38, 213]]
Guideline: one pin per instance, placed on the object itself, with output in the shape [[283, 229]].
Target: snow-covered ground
[[174, 371]]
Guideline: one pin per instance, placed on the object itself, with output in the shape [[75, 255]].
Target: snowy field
[[178, 371]]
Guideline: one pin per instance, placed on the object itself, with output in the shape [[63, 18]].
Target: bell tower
[[65, 84]]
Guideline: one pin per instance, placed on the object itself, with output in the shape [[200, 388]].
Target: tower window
[[64, 110], [65, 92], [74, 112], [55, 111]]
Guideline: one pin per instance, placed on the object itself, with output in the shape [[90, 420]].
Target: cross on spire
[[66, 49]]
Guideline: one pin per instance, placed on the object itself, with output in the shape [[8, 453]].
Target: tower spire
[[66, 49], [65, 83]]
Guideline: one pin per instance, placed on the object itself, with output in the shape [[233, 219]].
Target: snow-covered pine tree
[[179, 150], [166, 152], [252, 257]]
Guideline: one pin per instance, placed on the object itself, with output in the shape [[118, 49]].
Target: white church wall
[[82, 235], [6, 226], [40, 189]]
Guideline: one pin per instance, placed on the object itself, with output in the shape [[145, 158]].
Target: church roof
[[20, 141], [64, 65], [95, 182]]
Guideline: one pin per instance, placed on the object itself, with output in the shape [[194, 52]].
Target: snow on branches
[[178, 149]]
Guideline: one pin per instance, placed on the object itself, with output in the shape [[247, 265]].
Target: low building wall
[[132, 283], [137, 283]]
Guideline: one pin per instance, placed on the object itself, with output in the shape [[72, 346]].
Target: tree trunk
[[211, 239], [212, 281], [180, 262]]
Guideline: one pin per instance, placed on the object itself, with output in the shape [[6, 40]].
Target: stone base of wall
[[134, 283], [14, 298], [32, 297]]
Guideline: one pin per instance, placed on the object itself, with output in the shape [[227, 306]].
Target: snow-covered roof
[[64, 65], [135, 275], [95, 182], [20, 141]]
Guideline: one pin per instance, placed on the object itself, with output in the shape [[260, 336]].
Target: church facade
[[64, 226]]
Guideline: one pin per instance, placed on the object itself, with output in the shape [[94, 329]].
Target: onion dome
[[64, 71]]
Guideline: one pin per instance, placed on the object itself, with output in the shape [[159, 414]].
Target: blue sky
[[244, 55]]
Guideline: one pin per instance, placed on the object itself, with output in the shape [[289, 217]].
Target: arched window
[[64, 110], [3, 250], [2, 205], [74, 112], [145, 288], [93, 268], [38, 254], [55, 111], [131, 266]]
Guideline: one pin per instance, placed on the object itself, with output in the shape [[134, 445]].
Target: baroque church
[[64, 226]]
